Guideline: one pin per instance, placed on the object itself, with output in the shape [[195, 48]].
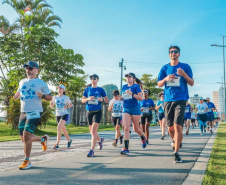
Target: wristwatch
[[43, 96]]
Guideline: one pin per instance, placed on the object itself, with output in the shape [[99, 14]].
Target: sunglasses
[[93, 78], [145, 91], [129, 76], [30, 68], [174, 51]]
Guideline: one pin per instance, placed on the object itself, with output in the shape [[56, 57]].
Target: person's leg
[[178, 136], [118, 133], [126, 123], [65, 132], [27, 143], [160, 123], [59, 130], [136, 128], [147, 125], [201, 125], [94, 135], [163, 127], [171, 131]]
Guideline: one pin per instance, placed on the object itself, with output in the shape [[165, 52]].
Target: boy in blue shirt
[[175, 76]]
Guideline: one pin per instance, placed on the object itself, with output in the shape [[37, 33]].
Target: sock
[[142, 137], [176, 152], [126, 144], [42, 139], [116, 140], [27, 158]]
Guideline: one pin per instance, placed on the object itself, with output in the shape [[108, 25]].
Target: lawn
[[216, 169], [7, 134]]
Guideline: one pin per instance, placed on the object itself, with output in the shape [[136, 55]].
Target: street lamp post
[[224, 76], [121, 64]]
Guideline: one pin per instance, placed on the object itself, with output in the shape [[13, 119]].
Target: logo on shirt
[[27, 93]]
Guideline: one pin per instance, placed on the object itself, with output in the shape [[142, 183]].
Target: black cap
[[31, 64], [115, 92], [94, 76], [130, 74]]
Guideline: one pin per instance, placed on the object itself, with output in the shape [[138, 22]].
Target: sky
[[140, 32]]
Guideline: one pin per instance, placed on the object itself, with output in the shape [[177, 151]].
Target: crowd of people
[[133, 105]]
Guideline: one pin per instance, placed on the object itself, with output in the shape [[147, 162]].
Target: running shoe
[[45, 143], [177, 158], [124, 151], [147, 142], [208, 128], [90, 154], [144, 143], [26, 165], [162, 138], [114, 144], [201, 133], [211, 131], [56, 147], [121, 138], [205, 130], [130, 131], [69, 143], [187, 133], [101, 143]]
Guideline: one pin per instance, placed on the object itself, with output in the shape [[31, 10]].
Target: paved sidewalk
[[153, 165]]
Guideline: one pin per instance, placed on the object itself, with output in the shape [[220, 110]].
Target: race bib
[[118, 114], [174, 83], [60, 109], [145, 110], [201, 111], [209, 110], [95, 101], [33, 115], [126, 96], [186, 110]]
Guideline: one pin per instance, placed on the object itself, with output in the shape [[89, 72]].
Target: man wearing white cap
[[31, 91]]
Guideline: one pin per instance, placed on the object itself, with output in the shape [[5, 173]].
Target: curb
[[196, 174]]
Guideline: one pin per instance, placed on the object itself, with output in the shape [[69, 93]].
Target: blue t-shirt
[[210, 106], [96, 92], [147, 103], [187, 111], [175, 92], [131, 102], [161, 110]]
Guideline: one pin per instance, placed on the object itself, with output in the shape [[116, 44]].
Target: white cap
[[62, 86]]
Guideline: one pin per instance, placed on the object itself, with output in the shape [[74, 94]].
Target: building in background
[[194, 100], [216, 100]]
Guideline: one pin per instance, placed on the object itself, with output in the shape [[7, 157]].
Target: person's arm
[[189, 80], [47, 97], [85, 99], [52, 103], [138, 96], [105, 99]]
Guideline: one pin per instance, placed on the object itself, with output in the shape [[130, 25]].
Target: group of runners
[[132, 106]]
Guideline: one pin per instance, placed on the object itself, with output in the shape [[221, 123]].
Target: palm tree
[[6, 28]]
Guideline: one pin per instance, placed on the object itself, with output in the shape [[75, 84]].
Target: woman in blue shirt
[[162, 120], [147, 105], [131, 93], [93, 96]]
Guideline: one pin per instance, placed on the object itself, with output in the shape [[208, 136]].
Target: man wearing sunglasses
[[175, 76], [31, 91]]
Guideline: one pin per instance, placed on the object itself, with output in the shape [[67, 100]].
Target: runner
[[175, 76], [210, 115], [162, 120], [93, 96], [193, 117], [147, 105], [62, 102], [131, 93], [116, 106], [31, 90], [202, 108], [216, 117], [187, 117]]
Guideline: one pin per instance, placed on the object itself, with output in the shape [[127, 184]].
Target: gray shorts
[[174, 112]]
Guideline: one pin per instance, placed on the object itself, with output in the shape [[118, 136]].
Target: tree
[[109, 89], [151, 84], [6, 28]]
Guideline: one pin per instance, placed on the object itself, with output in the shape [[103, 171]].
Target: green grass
[[216, 169], [7, 134]]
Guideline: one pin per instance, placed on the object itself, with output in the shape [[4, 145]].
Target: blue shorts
[[210, 117], [132, 111], [161, 116], [187, 117]]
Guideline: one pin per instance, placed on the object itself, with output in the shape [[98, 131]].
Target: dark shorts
[[146, 118], [64, 117], [193, 120], [174, 112], [28, 125], [94, 116], [132, 111], [161, 116], [202, 117], [116, 120], [210, 117]]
